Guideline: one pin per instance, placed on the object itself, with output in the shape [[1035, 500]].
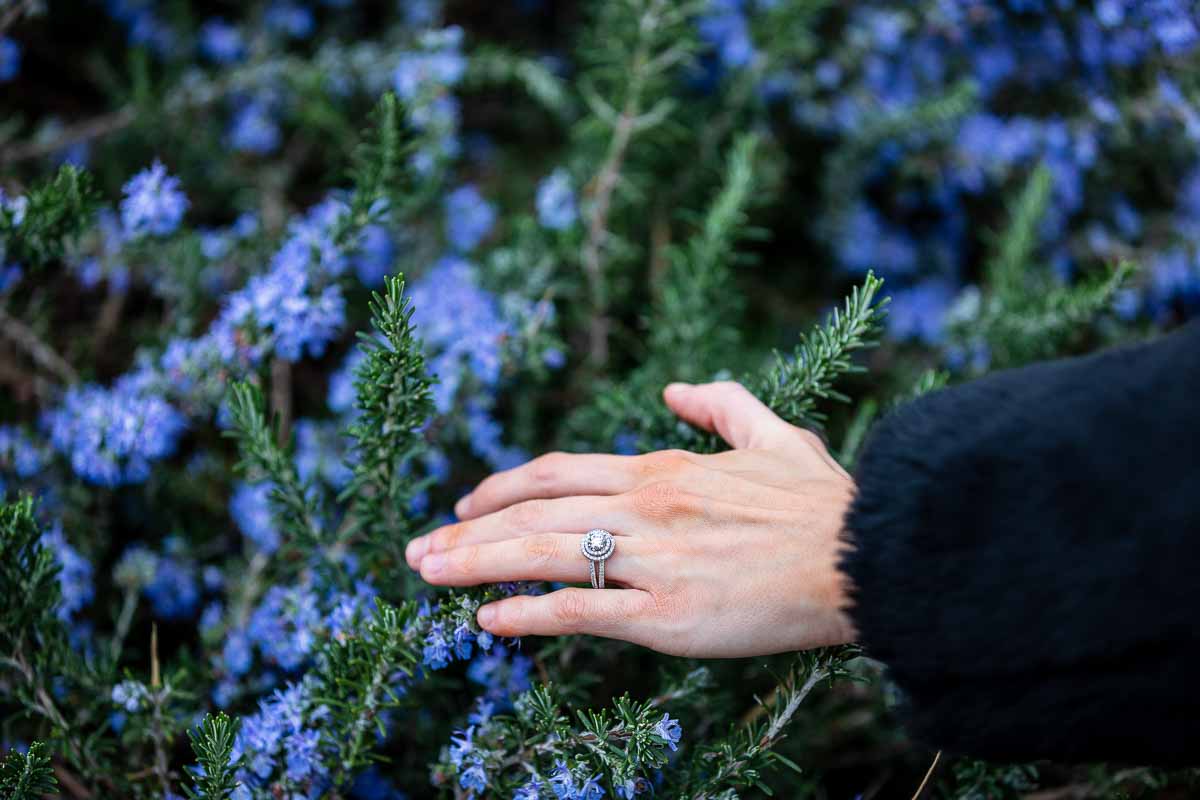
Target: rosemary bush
[[279, 281]]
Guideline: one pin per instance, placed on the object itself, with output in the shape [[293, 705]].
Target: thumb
[[728, 409]]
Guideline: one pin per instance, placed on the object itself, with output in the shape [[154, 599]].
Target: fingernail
[[433, 563], [676, 387], [415, 551], [486, 616], [462, 506]]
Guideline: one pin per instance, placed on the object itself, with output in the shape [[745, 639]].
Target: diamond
[[597, 544]]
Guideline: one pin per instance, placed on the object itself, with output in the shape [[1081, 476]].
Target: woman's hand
[[733, 554]]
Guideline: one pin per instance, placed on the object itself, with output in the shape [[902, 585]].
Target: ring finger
[[537, 557], [523, 519]]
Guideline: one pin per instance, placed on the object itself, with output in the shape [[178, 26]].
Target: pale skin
[[725, 555]]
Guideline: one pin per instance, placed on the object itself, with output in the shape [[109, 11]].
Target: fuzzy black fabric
[[1025, 557]]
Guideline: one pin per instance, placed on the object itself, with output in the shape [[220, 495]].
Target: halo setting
[[597, 545]]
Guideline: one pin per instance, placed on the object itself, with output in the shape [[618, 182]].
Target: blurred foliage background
[[586, 200]]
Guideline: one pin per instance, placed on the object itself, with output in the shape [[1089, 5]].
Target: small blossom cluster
[[75, 583], [282, 746], [170, 580], [111, 436], [154, 203], [423, 78]]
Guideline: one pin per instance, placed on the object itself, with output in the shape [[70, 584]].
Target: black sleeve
[[1024, 555]]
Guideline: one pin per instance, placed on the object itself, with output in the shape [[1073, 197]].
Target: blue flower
[[221, 42], [304, 755], [438, 64], [10, 59], [320, 454], [283, 309], [290, 19], [460, 325], [377, 256], [254, 129], [669, 729], [237, 655], [112, 435], [530, 791], [469, 218], [918, 312], [285, 625], [724, 27], [562, 782], [462, 747], [261, 737], [556, 207], [473, 778], [74, 573], [632, 788], [250, 508], [372, 785], [173, 593], [436, 653], [153, 203], [867, 242], [341, 396], [591, 789], [19, 453], [130, 695], [502, 676]]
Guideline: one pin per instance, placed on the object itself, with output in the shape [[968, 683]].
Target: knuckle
[[730, 389], [448, 537], [541, 549], [811, 439], [663, 462], [465, 558], [544, 471], [571, 607], [663, 500], [525, 515]]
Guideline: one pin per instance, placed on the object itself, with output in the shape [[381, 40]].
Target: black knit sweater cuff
[[1022, 552]]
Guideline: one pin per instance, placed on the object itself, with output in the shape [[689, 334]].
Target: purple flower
[[153, 204]]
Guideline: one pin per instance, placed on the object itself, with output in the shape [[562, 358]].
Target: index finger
[[549, 476]]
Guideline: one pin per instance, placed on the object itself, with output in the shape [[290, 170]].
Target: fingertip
[[675, 388], [415, 551], [463, 507], [486, 617]]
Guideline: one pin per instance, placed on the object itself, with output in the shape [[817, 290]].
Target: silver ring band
[[597, 545]]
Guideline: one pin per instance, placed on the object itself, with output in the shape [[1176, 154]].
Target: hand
[[724, 555]]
